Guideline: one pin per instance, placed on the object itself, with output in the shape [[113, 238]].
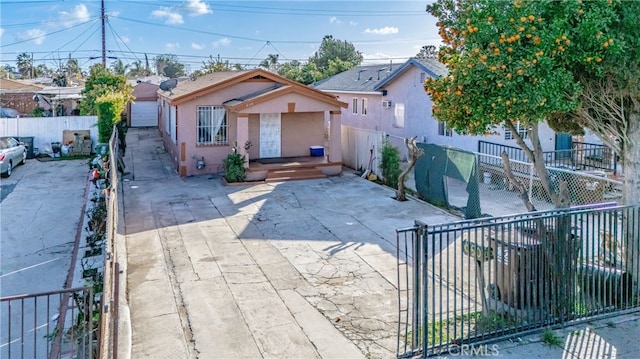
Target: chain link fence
[[585, 187]]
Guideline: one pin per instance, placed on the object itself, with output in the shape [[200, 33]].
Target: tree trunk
[[414, 153]]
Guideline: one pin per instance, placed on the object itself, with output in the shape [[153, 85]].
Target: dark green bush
[[390, 164], [234, 170]]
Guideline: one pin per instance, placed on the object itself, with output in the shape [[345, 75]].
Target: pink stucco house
[[278, 124]]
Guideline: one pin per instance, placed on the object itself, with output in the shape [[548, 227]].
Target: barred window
[[364, 107], [354, 107], [212, 125]]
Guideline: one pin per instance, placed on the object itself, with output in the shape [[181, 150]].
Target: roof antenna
[[380, 69], [360, 71]]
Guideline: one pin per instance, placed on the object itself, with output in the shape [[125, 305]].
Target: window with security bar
[[212, 125]]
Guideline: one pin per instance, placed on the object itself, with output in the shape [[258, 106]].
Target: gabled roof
[[372, 78], [277, 91], [187, 90], [357, 79], [432, 67]]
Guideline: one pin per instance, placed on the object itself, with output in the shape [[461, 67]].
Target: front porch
[[291, 168]]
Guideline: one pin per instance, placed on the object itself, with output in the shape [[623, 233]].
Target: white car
[[12, 153]]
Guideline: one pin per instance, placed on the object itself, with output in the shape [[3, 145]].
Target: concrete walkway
[[301, 269]]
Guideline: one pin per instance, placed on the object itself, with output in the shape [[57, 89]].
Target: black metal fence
[[60, 324], [472, 282], [581, 156]]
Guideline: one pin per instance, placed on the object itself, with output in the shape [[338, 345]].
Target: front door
[[563, 145], [270, 131]]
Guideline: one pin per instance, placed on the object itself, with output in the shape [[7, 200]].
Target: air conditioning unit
[[386, 104]]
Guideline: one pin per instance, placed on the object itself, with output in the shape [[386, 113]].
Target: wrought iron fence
[[60, 324], [585, 187], [581, 156], [475, 281]]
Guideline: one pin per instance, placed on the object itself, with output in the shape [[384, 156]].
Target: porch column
[[335, 131], [242, 135]]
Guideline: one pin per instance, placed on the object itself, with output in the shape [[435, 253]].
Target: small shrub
[[234, 170], [390, 164]]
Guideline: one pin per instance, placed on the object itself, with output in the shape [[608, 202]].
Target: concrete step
[[291, 174]]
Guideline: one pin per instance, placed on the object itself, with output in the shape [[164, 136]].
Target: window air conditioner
[[386, 104]]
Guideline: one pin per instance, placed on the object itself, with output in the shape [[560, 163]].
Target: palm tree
[[25, 65], [270, 63], [73, 69], [119, 68]]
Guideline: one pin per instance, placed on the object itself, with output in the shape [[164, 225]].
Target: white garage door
[[144, 114]]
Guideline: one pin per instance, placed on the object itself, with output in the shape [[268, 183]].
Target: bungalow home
[[392, 100], [271, 120]]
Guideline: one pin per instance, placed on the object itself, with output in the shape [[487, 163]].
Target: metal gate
[[472, 282]]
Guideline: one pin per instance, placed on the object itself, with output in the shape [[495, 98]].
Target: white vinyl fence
[[356, 148], [45, 130]]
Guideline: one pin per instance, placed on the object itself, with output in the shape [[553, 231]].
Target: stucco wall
[[301, 130]]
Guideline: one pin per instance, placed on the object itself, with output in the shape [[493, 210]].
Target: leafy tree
[[304, 73], [6, 71], [331, 49], [568, 62], [25, 65], [390, 164], [215, 65], [109, 108], [168, 65], [42, 71], [427, 52], [513, 62], [101, 82]]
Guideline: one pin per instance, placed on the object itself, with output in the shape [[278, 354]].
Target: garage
[[143, 111], [144, 114]]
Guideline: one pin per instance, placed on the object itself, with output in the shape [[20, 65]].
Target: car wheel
[[9, 169], [24, 157]]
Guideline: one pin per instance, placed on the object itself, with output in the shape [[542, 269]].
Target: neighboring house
[[261, 114], [143, 111], [64, 99], [18, 95], [392, 99]]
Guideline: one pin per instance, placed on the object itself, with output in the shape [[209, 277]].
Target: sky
[[243, 32]]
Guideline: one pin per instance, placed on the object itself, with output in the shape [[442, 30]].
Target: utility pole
[[104, 47]]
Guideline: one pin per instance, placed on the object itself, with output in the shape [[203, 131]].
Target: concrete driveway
[[302, 269]]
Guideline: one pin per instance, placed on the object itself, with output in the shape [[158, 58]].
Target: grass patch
[[550, 338], [466, 325]]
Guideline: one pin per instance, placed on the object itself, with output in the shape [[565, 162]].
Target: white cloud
[[197, 46], [197, 7], [125, 39], [35, 35], [79, 14], [171, 17], [382, 31], [335, 20], [221, 42], [353, 23], [170, 46]]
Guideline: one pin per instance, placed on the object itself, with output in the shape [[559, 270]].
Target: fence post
[[531, 171], [417, 283]]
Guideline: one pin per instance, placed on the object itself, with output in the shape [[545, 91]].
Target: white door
[[270, 131], [144, 114]]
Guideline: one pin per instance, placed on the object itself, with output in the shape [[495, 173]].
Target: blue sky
[[244, 32]]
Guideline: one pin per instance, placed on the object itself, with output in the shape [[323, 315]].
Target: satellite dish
[[168, 85]]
